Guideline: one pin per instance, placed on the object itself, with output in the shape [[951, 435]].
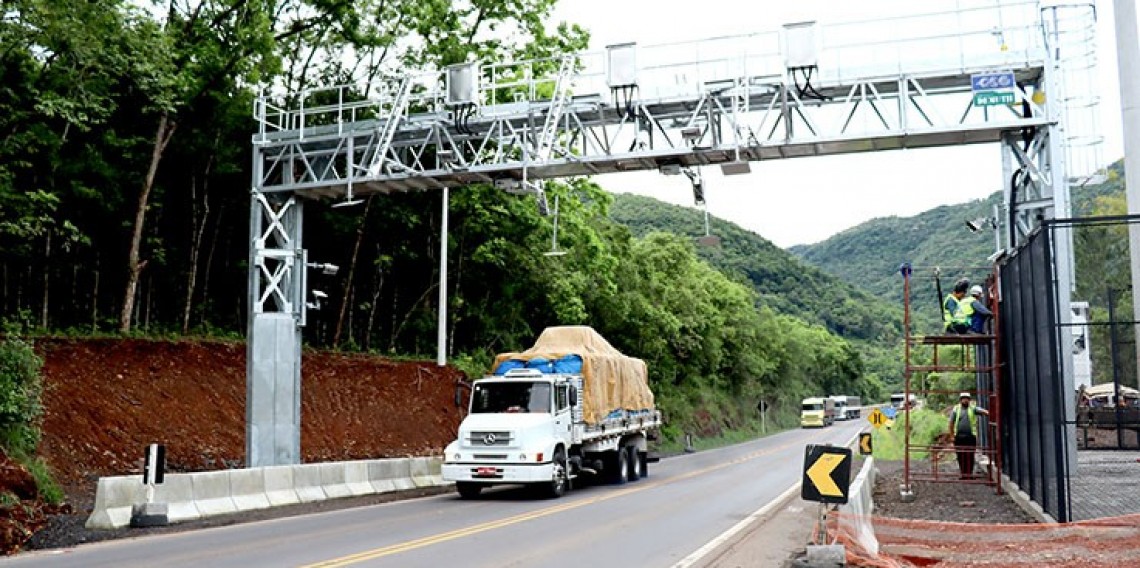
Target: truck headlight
[[457, 457], [522, 457]]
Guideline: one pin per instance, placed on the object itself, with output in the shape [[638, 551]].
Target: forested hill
[[869, 255], [783, 282]]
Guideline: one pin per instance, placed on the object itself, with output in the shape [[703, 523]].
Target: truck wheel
[[468, 490], [560, 480], [618, 464], [634, 472]]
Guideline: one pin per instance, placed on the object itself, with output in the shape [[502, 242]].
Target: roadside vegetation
[[124, 204], [926, 426], [21, 409]]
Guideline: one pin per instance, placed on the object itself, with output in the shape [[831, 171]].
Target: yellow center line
[[484, 527]]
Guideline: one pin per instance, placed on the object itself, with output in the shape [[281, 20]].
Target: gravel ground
[[955, 502]]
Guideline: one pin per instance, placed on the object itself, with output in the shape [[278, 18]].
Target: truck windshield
[[510, 397], [809, 407], [897, 399]]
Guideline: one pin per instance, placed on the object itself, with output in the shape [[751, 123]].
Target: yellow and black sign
[[865, 444], [827, 474], [877, 418]]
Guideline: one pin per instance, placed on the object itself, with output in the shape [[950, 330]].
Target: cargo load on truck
[[613, 383]]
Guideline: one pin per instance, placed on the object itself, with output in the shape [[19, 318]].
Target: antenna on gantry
[[698, 182]]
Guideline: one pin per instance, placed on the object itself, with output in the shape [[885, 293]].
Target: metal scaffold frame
[[805, 90], [984, 361]]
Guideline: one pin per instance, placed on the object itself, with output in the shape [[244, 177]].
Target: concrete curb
[[191, 496], [1027, 504]]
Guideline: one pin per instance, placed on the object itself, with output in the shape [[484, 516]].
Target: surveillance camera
[[329, 269], [319, 295]]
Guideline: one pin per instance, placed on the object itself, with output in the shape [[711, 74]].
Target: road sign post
[[827, 474]]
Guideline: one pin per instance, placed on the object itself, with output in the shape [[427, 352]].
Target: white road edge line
[[723, 537]]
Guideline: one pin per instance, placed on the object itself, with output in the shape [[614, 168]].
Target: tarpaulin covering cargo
[[611, 381]]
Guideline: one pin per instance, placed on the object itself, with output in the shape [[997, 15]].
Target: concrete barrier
[[356, 478], [178, 494], [212, 493], [333, 481], [279, 487], [307, 482], [420, 469], [114, 497], [382, 474], [191, 496], [860, 505], [247, 489]]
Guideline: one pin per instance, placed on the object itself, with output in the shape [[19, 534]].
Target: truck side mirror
[[573, 396]]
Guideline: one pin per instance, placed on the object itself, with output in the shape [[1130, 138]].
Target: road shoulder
[[771, 540]]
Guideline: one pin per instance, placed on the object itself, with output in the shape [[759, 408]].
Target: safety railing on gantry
[[941, 364]]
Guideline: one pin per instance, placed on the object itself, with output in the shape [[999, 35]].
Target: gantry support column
[[273, 347]]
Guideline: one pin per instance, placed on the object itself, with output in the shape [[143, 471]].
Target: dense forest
[[869, 254], [783, 283], [124, 207]]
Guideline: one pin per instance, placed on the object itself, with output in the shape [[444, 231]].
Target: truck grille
[[490, 456], [489, 439]]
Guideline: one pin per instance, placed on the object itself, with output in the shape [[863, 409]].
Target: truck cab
[[817, 412], [527, 427]]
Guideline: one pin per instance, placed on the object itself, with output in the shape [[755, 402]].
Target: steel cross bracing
[[748, 118]]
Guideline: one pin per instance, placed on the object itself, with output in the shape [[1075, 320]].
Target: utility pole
[[441, 347], [1127, 60]]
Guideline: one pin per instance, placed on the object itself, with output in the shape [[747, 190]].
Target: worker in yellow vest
[[964, 426]]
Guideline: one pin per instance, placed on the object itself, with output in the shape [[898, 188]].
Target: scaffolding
[[970, 353]]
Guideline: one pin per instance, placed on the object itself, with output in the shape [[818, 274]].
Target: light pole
[[441, 339], [1127, 59]]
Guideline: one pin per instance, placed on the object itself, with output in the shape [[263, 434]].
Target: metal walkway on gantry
[[808, 89], [635, 107]]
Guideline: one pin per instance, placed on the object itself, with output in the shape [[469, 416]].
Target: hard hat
[[975, 290], [964, 395]]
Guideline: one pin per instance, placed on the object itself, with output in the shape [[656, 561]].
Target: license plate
[[486, 472]]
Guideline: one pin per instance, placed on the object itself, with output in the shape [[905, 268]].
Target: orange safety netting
[[1113, 541]]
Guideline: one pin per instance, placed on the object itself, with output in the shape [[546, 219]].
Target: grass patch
[[925, 426]]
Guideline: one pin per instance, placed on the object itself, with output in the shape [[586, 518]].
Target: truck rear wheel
[[617, 466], [468, 490], [634, 464]]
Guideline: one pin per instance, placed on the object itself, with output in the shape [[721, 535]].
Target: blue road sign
[[986, 82], [890, 412]]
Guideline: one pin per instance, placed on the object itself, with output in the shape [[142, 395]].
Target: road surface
[[686, 502]]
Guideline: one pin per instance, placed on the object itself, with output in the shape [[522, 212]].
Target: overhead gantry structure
[[804, 90]]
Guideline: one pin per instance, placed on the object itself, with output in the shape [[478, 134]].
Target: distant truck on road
[[572, 405], [898, 398], [817, 412], [846, 407]]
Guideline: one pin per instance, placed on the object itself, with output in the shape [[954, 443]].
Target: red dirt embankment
[[106, 399]]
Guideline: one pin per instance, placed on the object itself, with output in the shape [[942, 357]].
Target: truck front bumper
[[498, 473]]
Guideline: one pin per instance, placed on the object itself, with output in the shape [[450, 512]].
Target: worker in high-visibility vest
[[964, 427], [954, 317], [976, 311]]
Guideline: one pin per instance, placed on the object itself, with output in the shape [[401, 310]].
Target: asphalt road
[[686, 502]]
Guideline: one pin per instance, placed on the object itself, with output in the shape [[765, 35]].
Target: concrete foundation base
[[149, 515]]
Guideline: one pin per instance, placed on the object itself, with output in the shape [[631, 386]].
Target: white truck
[[846, 407], [544, 424]]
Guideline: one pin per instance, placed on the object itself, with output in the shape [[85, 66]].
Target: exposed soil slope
[[106, 399]]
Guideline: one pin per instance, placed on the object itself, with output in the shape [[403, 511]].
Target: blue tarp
[[541, 364], [569, 365]]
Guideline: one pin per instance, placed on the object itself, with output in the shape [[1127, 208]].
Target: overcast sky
[[806, 200]]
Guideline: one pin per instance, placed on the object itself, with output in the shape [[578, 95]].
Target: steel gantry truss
[[805, 90]]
